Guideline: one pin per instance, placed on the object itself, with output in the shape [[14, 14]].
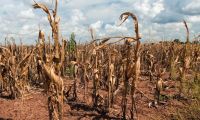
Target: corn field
[[106, 78]]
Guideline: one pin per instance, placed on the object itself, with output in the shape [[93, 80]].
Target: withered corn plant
[[136, 68], [159, 83], [185, 62], [102, 70], [151, 65], [111, 77], [173, 54], [14, 71], [52, 68], [54, 23]]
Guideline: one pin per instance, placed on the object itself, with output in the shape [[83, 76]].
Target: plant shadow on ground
[[95, 113], [5, 118]]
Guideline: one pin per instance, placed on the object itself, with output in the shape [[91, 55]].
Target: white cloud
[[160, 18], [148, 8], [78, 4], [194, 19], [27, 13], [77, 16], [192, 7], [157, 7], [97, 25], [115, 28]]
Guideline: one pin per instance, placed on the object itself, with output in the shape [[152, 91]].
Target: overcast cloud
[[158, 19]]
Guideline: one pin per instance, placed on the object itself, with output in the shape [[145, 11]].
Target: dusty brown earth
[[33, 106]]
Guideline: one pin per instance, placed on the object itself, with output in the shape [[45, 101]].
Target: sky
[[158, 19]]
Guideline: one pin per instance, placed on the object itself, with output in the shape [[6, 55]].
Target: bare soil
[[33, 106]]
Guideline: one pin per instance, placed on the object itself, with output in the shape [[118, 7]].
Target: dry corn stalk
[[52, 73], [159, 83], [111, 81], [41, 45], [136, 70], [186, 61], [14, 71], [54, 23]]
